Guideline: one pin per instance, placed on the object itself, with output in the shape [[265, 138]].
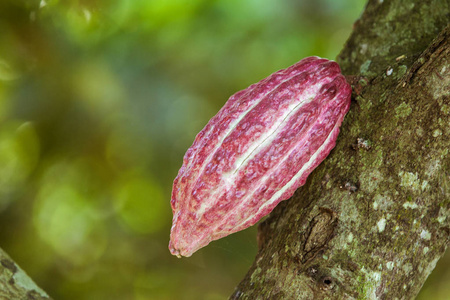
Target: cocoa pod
[[259, 148]]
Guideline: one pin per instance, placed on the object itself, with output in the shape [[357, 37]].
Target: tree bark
[[15, 283], [373, 220]]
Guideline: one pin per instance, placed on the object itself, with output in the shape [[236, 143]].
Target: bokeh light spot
[[140, 205], [66, 217], [98, 87], [19, 152]]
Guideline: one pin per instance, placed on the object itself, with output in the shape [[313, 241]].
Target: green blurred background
[[100, 99]]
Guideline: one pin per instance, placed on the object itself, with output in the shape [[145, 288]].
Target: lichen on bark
[[390, 200], [15, 283]]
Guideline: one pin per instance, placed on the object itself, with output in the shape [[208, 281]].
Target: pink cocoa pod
[[259, 148]]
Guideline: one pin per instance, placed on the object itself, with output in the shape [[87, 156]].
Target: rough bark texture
[[15, 283], [373, 220]]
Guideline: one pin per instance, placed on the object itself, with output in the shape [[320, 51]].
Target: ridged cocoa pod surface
[[259, 148]]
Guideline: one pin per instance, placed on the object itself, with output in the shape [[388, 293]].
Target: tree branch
[[15, 283], [373, 220]]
